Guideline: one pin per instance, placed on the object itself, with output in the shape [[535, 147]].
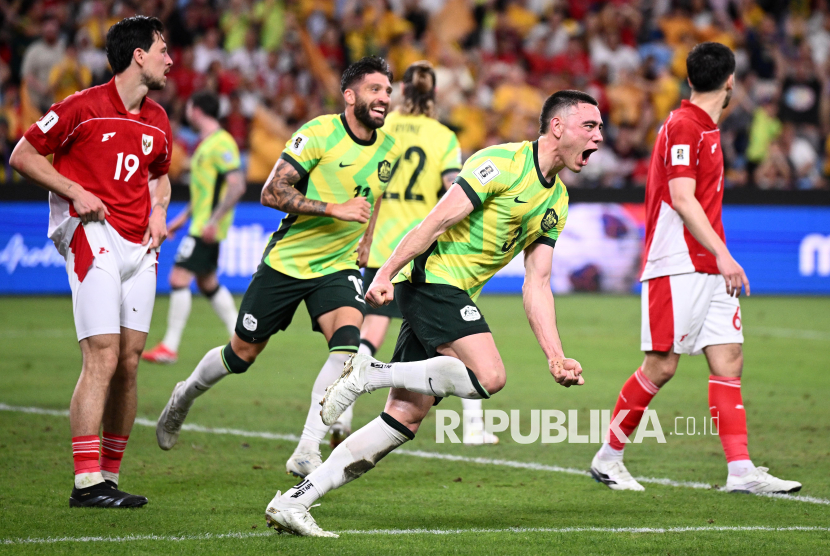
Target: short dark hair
[[709, 65], [128, 34], [207, 102], [559, 100], [363, 67]]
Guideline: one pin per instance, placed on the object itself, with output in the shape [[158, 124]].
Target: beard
[[361, 112], [154, 83], [727, 99]]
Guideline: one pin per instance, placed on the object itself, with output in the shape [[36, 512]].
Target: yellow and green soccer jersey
[[214, 158], [334, 167], [514, 206], [430, 150]]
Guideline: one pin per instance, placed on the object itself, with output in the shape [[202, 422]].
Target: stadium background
[[276, 64]]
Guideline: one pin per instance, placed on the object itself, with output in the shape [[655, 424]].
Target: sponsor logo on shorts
[[146, 143], [103, 250], [298, 143], [470, 313], [486, 172], [249, 322], [48, 121]]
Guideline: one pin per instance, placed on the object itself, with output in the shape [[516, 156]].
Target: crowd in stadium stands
[[276, 64]]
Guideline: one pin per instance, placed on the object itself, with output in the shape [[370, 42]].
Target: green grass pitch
[[209, 493]]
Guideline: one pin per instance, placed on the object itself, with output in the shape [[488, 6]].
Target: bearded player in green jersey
[[216, 185], [431, 160], [327, 181], [506, 199]]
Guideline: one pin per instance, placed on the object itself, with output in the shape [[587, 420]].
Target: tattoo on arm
[[279, 193]]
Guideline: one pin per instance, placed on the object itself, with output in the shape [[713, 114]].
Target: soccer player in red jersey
[[108, 143], [686, 307]]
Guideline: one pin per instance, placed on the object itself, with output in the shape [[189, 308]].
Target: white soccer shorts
[[687, 312], [120, 288]]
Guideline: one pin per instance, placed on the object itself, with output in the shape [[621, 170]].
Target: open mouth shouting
[[583, 161]]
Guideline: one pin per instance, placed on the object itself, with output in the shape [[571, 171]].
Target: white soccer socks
[[440, 376], [314, 430], [222, 302], [180, 303], [356, 455], [207, 373]]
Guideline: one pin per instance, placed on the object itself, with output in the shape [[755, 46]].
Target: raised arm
[[687, 206], [37, 168], [541, 314], [279, 193], [451, 209]]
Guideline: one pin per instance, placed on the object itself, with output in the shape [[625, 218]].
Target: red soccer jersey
[[688, 146], [107, 150]]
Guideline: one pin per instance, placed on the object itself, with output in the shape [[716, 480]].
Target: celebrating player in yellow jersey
[[216, 185], [506, 199], [327, 180], [431, 160]]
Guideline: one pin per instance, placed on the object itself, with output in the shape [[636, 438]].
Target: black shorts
[[433, 314], [197, 256], [272, 299], [392, 311]]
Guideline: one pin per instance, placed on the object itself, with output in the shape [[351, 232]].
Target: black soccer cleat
[[104, 495]]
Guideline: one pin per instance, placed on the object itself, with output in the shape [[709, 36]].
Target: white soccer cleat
[[301, 464], [171, 420], [347, 388], [760, 482], [613, 474], [293, 519], [478, 437]]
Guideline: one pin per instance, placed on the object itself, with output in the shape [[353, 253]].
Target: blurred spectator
[[236, 123], [38, 61], [69, 75], [607, 50], [207, 51], [249, 57]]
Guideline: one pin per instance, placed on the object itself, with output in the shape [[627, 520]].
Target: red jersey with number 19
[[109, 152], [688, 146]]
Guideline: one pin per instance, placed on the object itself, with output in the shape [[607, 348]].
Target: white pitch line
[[423, 454], [396, 532]]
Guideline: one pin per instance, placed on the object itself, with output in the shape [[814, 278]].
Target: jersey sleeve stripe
[[471, 194], [297, 166], [544, 240], [448, 170]]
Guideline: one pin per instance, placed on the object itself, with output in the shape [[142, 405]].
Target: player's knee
[[208, 285], [346, 338], [491, 378], [233, 362], [101, 359]]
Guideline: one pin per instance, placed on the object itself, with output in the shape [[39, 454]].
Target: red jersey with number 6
[[688, 146], [109, 152]]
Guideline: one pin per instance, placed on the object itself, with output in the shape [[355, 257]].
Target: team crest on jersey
[[486, 172], [470, 313], [384, 171], [549, 220], [146, 143]]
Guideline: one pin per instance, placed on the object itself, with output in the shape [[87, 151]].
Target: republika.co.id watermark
[[552, 426]]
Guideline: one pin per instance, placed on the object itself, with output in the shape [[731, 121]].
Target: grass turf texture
[[220, 484]]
